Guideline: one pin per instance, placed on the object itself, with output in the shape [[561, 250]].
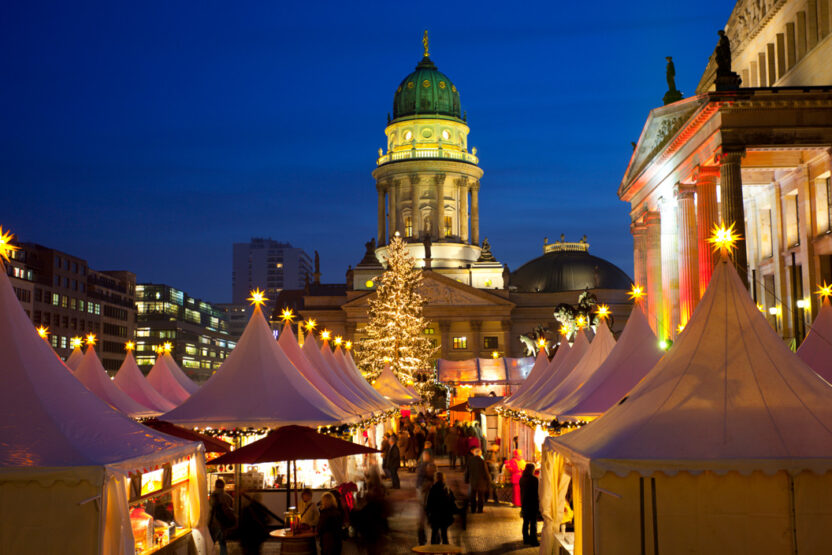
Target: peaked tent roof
[[288, 343], [162, 379], [635, 354], [92, 374], [257, 386], [729, 396], [48, 418], [177, 373], [538, 373], [816, 349], [556, 374], [598, 351], [354, 374], [392, 389], [367, 392], [74, 358], [130, 380]]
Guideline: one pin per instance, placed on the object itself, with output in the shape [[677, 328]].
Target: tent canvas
[[542, 370], [457, 371], [816, 349], [74, 358], [92, 374], [131, 381], [355, 375], [162, 379], [392, 389], [179, 375], [556, 375]]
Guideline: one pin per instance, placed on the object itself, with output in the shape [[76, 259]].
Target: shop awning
[[484, 371]]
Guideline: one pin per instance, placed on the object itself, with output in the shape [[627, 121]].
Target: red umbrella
[[291, 443], [212, 445]]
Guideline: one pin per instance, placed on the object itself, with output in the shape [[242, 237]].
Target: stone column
[[440, 205], [415, 214], [670, 267], [706, 219], [475, 213], [476, 337], [639, 231], [652, 221], [392, 225], [505, 326], [445, 335], [730, 179], [381, 236], [688, 260], [463, 209]]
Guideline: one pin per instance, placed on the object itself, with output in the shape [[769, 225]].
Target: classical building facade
[[756, 155]]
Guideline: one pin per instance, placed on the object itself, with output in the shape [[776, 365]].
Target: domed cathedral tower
[[428, 182]]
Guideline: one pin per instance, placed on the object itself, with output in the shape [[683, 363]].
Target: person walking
[[451, 439], [478, 479], [529, 504], [493, 465], [515, 468], [253, 529], [425, 473], [329, 525], [440, 507], [462, 447], [393, 462], [222, 518]]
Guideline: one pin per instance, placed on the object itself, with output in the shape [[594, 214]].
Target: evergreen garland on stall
[[395, 330]]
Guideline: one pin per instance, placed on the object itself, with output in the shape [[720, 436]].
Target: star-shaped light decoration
[[6, 247], [338, 340], [167, 347], [636, 293], [564, 330], [287, 315], [603, 311], [258, 297], [310, 324], [761, 308], [541, 343], [680, 328], [724, 239], [580, 322], [159, 350], [43, 331], [91, 340], [824, 291], [348, 345], [76, 342], [495, 354], [325, 334], [129, 346]]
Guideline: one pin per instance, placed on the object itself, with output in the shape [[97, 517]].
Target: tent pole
[[288, 484], [793, 514], [655, 518], [295, 463]]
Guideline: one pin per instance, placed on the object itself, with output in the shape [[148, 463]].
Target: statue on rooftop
[[673, 94], [485, 253], [726, 79]]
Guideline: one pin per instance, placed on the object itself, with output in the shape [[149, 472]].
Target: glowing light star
[[724, 239], [76, 342], [338, 340], [325, 335], [680, 328], [43, 331], [541, 342], [258, 297], [167, 347], [310, 324], [495, 354], [564, 330], [603, 311], [129, 346], [580, 322], [636, 293], [6, 248], [824, 291], [761, 308], [91, 339], [287, 315], [348, 345]]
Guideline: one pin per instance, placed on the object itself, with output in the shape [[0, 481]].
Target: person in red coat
[[515, 467]]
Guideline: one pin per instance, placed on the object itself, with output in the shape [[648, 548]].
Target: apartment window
[[63, 342], [460, 343], [64, 301], [72, 304], [81, 305], [408, 226], [56, 299], [38, 295], [449, 226], [54, 341], [490, 342]]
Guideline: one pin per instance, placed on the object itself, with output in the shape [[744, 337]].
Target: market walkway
[[496, 531]]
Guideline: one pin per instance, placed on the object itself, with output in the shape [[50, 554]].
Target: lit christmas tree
[[395, 331]]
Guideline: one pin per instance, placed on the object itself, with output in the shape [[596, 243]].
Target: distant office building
[[237, 316], [269, 265], [61, 292], [197, 330]]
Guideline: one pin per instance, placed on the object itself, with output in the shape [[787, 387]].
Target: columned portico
[[731, 207], [706, 219], [653, 233], [381, 235], [475, 213], [688, 259]]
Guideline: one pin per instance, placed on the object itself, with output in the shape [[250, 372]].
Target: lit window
[[460, 343], [430, 331], [490, 342], [449, 226], [408, 226]]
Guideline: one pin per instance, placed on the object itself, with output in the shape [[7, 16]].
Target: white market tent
[[392, 389], [131, 381], [816, 349], [598, 351], [92, 374], [724, 447], [257, 386], [556, 374], [74, 358], [635, 354], [354, 374], [66, 454], [162, 379], [543, 368], [289, 344], [177, 373]]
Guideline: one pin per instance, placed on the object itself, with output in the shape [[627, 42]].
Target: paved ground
[[496, 531]]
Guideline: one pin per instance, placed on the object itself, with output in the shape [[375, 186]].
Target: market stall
[[555, 376], [724, 447], [541, 371], [73, 470]]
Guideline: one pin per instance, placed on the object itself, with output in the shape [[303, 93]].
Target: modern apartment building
[[269, 265]]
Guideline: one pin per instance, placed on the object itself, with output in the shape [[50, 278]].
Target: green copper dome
[[426, 92]]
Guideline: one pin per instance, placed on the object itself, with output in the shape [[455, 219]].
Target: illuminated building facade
[[269, 265], [758, 156], [197, 331]]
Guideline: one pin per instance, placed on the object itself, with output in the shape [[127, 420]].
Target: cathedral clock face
[[408, 135], [446, 134]]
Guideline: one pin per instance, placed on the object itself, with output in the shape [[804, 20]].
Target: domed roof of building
[[426, 91], [568, 267]]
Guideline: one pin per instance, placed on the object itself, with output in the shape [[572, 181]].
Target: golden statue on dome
[[425, 43]]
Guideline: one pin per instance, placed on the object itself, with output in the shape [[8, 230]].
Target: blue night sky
[[151, 136]]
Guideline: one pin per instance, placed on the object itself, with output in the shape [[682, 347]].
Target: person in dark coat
[[478, 479], [440, 507], [529, 504], [253, 529], [451, 439], [462, 447], [394, 460], [222, 519], [329, 526]]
